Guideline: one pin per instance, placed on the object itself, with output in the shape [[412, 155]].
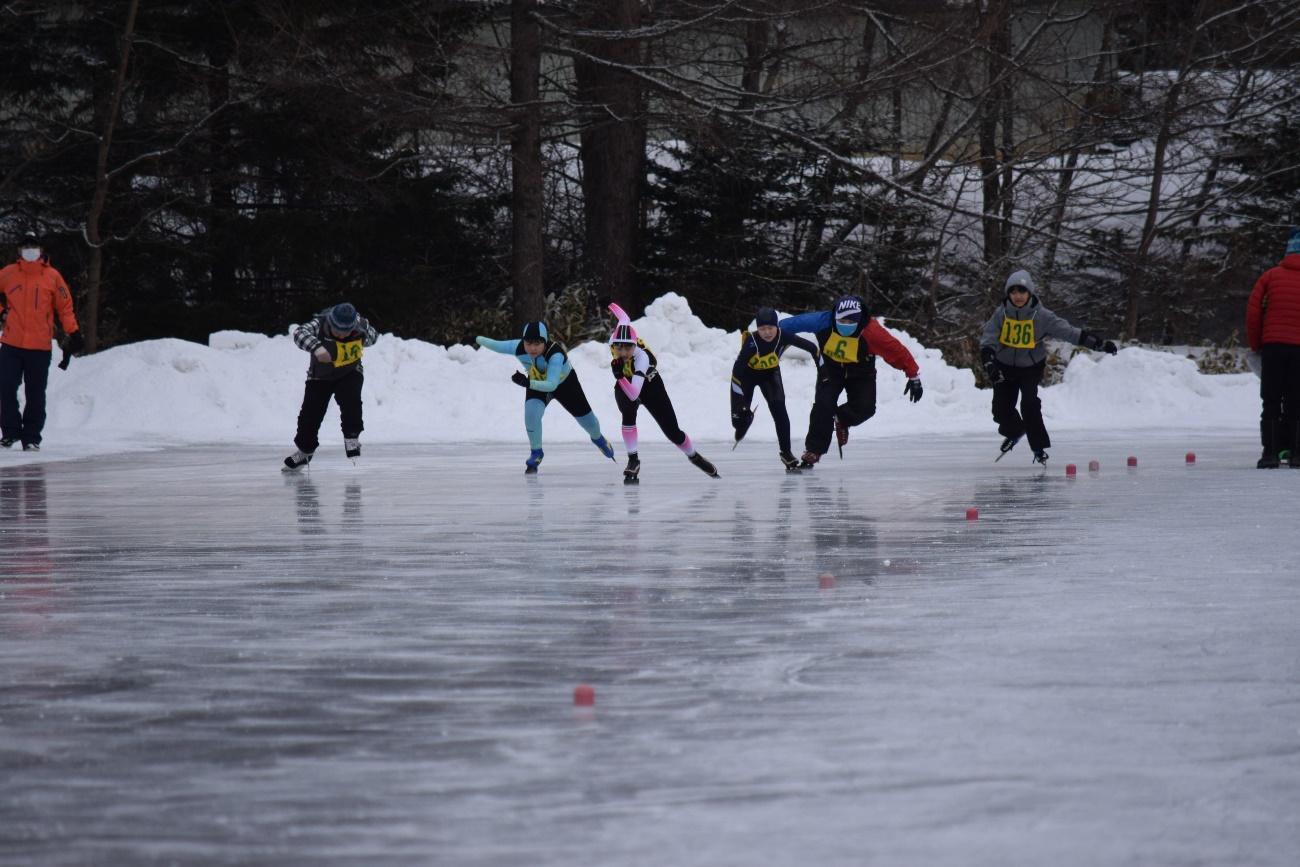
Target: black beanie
[[535, 331], [766, 316]]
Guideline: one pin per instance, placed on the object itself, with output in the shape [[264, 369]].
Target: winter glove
[[988, 360], [1093, 341], [518, 378], [75, 343], [913, 389], [1109, 347], [321, 354]]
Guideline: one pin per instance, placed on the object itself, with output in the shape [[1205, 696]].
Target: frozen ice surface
[[203, 661]]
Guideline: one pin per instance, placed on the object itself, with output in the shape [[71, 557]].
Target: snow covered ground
[[204, 661], [246, 388]]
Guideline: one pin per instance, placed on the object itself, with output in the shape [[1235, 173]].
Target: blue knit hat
[[1293, 245], [343, 318], [535, 331]]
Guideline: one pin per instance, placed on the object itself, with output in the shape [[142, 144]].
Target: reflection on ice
[[203, 660]]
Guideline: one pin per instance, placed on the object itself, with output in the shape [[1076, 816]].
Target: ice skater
[[850, 339], [1273, 331], [1014, 358], [636, 383], [336, 339], [759, 366], [550, 375]]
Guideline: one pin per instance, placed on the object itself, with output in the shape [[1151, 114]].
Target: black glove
[[75, 343], [988, 360], [913, 389], [1109, 347], [1093, 341], [519, 379]]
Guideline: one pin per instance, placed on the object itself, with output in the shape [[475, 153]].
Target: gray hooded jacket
[[1016, 333]]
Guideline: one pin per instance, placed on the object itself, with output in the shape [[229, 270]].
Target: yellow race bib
[[841, 349], [1018, 334], [764, 362], [348, 353]]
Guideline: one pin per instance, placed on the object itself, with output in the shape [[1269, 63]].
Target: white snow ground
[[205, 662]]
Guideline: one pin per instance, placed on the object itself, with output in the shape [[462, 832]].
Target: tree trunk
[[527, 236], [95, 270], [613, 150]]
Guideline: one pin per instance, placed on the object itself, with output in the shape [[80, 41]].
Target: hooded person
[[33, 294], [758, 366], [637, 383], [336, 338], [547, 375], [1014, 358], [849, 339], [1273, 331]]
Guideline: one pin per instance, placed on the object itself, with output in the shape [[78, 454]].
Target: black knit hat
[[535, 331], [766, 316]]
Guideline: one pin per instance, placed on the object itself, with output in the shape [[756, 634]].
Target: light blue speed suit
[[550, 375]]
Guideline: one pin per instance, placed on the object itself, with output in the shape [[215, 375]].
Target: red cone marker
[[1094, 466], [1132, 461], [584, 695], [1071, 469], [1191, 457], [972, 514]]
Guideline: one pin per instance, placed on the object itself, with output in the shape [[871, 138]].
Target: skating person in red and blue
[[1014, 358], [336, 339], [850, 339], [637, 383], [549, 375], [1273, 331], [758, 366]]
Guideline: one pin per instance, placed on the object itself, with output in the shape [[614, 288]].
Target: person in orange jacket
[[32, 294]]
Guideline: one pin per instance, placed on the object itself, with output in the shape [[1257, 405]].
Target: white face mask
[[30, 254]]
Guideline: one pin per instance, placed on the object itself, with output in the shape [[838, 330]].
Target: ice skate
[[352, 448], [790, 461], [703, 463], [808, 459], [1040, 457], [1007, 445], [296, 461], [631, 474], [841, 434], [604, 445], [533, 462]]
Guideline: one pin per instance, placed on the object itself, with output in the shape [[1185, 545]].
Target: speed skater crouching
[[336, 338], [758, 366], [547, 374], [849, 340], [1014, 359], [637, 383]]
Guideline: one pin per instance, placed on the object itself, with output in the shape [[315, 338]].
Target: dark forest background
[[456, 167]]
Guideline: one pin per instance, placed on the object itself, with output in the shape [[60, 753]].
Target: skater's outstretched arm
[[881, 342], [801, 343], [808, 323], [505, 347]]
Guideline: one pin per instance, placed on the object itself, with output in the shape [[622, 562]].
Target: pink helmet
[[623, 333]]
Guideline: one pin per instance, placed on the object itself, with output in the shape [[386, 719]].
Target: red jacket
[[1273, 312], [34, 292]]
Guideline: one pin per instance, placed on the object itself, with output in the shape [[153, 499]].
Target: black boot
[[633, 471], [1268, 435], [740, 422], [790, 461], [700, 461]]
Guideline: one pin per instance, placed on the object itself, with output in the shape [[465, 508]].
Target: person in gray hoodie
[[1014, 358]]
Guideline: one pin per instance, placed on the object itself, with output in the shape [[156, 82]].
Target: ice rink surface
[[203, 661]]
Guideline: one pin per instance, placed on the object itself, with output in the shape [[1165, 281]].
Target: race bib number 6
[[1018, 334]]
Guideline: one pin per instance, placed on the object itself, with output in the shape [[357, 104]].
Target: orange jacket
[[33, 293]]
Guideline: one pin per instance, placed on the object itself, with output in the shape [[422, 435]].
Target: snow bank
[[246, 388]]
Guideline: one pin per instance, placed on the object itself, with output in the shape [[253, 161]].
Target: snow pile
[[246, 388]]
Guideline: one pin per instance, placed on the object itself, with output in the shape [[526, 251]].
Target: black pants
[[30, 367], [859, 387], [568, 394], [316, 398], [654, 397], [1021, 383], [769, 383], [1279, 391]]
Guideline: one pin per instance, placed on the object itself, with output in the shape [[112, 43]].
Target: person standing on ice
[[1014, 358], [336, 339], [32, 295], [1273, 331], [549, 374], [850, 339], [758, 366], [637, 383]]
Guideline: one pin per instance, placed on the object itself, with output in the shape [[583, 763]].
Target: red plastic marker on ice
[[1191, 457], [972, 514], [1132, 461], [1071, 469], [584, 695], [1094, 466], [826, 581]]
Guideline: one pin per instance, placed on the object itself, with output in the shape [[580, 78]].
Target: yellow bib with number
[[842, 349], [764, 362], [348, 353], [1018, 334]]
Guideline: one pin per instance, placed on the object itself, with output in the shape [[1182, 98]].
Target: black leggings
[[859, 404], [654, 397], [346, 392], [769, 383], [1021, 383]]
